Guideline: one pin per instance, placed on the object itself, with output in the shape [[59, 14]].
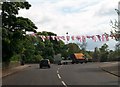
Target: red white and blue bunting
[[80, 38]]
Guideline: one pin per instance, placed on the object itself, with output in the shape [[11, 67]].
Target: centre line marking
[[64, 83], [57, 71], [59, 76]]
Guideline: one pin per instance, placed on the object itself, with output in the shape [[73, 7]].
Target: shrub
[[15, 57], [37, 58]]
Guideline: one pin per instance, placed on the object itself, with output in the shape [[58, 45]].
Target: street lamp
[[67, 37]]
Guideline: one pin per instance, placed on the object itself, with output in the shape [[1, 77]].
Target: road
[[66, 75]]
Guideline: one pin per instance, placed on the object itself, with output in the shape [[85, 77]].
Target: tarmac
[[110, 67]]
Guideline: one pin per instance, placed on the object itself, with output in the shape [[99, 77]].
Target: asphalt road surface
[[65, 75]]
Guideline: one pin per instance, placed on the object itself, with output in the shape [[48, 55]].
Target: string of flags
[[80, 38]]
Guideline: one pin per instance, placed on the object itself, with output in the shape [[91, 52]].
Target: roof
[[79, 55]]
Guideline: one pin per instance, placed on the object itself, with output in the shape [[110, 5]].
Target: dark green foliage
[[103, 53], [14, 29], [73, 48], [96, 54], [69, 49], [49, 47]]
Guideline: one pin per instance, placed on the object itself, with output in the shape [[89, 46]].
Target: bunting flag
[[68, 38], [94, 38], [99, 37], [43, 38], [107, 37], [78, 38], [33, 34], [73, 38], [62, 37], [112, 36], [57, 38], [48, 37], [103, 37], [53, 37], [83, 38], [88, 37]]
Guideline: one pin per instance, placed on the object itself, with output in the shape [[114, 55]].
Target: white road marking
[[59, 76], [64, 83], [57, 71]]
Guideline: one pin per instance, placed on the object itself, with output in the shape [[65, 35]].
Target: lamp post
[[67, 45], [67, 37]]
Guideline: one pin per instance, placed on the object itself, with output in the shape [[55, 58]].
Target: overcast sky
[[77, 17]]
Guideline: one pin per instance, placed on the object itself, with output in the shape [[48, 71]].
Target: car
[[44, 63], [59, 63]]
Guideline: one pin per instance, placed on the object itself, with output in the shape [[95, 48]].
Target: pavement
[[7, 72], [110, 67]]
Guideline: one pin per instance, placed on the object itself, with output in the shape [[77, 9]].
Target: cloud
[[107, 8], [78, 17]]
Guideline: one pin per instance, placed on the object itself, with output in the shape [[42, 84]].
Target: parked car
[[44, 63]]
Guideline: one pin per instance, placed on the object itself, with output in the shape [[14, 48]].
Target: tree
[[82, 46], [89, 55], [14, 28], [51, 47], [73, 48], [104, 53], [116, 26], [116, 33], [96, 54], [28, 48]]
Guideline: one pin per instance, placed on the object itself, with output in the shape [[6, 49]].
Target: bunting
[[68, 38], [72, 37], [62, 37], [99, 37], [83, 38], [94, 38], [79, 38]]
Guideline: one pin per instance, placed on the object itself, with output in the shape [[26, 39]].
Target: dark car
[[44, 63]]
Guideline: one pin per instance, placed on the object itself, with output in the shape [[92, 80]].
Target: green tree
[[14, 28], [96, 54], [89, 55], [73, 48], [116, 33], [104, 53], [116, 26], [82, 46], [28, 48], [51, 47]]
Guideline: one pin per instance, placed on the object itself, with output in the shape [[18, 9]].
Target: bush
[[37, 58], [114, 59], [15, 57]]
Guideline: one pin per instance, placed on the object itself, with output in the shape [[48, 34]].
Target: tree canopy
[[14, 28]]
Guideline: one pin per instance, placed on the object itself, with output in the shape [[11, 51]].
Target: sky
[[77, 17]]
